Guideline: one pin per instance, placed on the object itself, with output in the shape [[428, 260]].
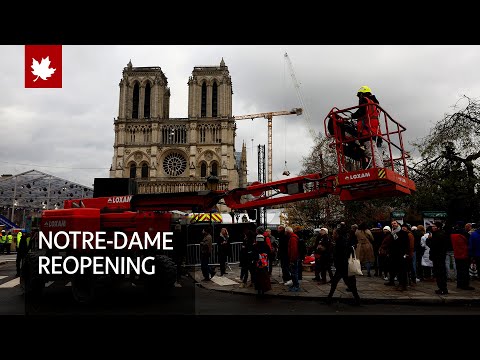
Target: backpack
[[262, 261]]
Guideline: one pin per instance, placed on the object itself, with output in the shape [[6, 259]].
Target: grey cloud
[[73, 126]]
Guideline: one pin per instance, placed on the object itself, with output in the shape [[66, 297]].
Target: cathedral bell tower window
[[214, 100], [135, 102], [146, 106], [204, 100]]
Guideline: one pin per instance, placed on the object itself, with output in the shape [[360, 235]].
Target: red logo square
[[43, 66]]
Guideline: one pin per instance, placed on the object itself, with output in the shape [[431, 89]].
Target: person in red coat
[[368, 126], [268, 240], [459, 239], [293, 258]]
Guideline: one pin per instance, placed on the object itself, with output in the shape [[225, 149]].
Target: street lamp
[[14, 203]]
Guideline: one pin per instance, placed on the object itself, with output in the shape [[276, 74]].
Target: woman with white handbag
[[345, 242]]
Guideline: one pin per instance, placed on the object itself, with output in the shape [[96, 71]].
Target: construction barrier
[[206, 217]]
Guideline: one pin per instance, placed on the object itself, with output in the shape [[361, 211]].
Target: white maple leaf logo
[[42, 69]]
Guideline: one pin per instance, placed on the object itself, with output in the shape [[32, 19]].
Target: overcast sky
[[68, 132]]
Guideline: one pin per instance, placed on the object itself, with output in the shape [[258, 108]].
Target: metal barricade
[[193, 254]]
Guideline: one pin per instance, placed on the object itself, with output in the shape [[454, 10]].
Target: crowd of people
[[260, 249], [22, 246], [409, 254], [401, 254]]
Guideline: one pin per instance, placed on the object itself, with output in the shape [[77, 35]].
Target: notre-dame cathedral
[[169, 155]]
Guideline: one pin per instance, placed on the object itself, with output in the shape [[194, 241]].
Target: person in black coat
[[345, 243], [224, 250], [323, 250], [283, 253], [23, 247], [261, 254], [403, 260], [245, 256], [438, 252]]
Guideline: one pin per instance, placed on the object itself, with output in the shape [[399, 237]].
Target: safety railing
[[343, 129]]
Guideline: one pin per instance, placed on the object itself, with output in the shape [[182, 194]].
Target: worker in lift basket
[[368, 126]]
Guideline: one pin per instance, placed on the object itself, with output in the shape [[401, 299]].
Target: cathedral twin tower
[[168, 155]]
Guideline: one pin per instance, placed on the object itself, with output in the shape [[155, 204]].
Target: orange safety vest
[[369, 125]]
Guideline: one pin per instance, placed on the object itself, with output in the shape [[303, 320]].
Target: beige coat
[[206, 245], [364, 248]]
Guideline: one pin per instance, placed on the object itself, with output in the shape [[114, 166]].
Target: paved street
[[213, 298], [371, 289]]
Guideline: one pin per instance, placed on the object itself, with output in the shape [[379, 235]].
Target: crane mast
[[300, 97], [304, 107], [269, 116], [307, 118]]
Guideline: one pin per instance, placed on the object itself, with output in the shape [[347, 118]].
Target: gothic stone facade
[[168, 155]]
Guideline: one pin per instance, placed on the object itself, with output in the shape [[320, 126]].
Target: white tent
[[243, 218], [275, 217]]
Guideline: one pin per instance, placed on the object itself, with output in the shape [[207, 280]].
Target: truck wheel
[[31, 282], [83, 289]]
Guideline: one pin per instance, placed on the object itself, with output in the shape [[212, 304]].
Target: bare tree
[[448, 172], [329, 210], [322, 211]]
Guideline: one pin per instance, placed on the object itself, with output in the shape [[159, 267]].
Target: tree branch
[[473, 157], [427, 162], [424, 175]]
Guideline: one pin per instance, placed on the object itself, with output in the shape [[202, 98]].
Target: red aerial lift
[[352, 182], [152, 212]]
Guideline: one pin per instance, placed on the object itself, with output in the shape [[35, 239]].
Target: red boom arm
[[283, 191]]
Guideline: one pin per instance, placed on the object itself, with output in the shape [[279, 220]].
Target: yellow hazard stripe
[[205, 217], [381, 173]]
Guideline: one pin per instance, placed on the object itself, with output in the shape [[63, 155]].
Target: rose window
[[174, 164]]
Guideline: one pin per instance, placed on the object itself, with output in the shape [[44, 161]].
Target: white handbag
[[354, 266]]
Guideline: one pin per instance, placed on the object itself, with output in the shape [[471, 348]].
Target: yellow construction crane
[[269, 116]]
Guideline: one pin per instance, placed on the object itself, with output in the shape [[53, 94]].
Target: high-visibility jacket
[[19, 237], [369, 125], [19, 242], [9, 238], [3, 239]]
